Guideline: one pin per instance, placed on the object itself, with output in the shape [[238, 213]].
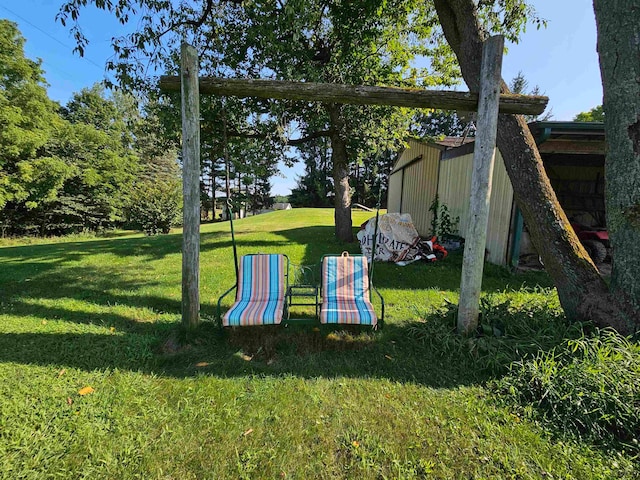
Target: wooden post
[[190, 186], [483, 159]]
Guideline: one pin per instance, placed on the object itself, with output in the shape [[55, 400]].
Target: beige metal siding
[[454, 189], [499, 213], [395, 192], [413, 186], [420, 186], [414, 149]]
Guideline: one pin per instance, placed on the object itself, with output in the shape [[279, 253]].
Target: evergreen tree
[[519, 84]]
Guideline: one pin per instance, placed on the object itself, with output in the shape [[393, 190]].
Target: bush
[[589, 387], [512, 327], [155, 206]]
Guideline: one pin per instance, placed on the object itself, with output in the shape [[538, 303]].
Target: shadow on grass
[[32, 277], [144, 248], [36, 278], [427, 352], [442, 275]]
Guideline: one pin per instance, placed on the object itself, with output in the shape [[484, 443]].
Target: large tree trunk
[[618, 25], [340, 159], [582, 291]]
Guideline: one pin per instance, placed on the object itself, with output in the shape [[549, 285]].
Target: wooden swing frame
[[488, 102]]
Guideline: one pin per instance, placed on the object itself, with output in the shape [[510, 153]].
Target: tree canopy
[[66, 168], [596, 114], [372, 42]]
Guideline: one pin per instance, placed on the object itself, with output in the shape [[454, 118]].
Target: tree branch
[[308, 138], [291, 143], [198, 23]]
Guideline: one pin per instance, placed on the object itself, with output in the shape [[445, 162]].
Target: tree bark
[[618, 26], [340, 159], [582, 291], [213, 193]]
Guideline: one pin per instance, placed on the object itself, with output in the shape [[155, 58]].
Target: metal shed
[[444, 168], [573, 155]]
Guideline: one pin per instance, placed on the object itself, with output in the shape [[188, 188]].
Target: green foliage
[[513, 325], [104, 172], [90, 107], [442, 224], [155, 206], [313, 188], [433, 208], [369, 42], [596, 114], [154, 203], [72, 169], [27, 122], [509, 17], [588, 387], [447, 226], [435, 124]]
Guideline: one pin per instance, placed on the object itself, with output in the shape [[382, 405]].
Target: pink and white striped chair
[[260, 296]]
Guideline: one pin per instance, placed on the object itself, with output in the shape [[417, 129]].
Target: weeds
[[513, 325], [588, 387]]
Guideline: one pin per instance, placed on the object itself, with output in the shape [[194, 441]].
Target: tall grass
[[588, 387], [513, 325]]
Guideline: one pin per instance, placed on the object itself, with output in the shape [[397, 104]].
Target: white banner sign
[[397, 239]]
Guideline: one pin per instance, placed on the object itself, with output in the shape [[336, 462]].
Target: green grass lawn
[[410, 401]]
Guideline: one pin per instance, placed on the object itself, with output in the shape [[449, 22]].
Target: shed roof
[[451, 142], [566, 142], [555, 138]]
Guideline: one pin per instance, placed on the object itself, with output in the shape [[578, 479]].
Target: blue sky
[[561, 59]]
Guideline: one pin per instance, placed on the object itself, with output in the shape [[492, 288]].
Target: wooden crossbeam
[[359, 95]]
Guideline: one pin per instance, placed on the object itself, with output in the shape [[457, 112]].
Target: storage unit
[[573, 155], [454, 191]]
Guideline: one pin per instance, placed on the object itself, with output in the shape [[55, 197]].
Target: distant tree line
[[95, 163]]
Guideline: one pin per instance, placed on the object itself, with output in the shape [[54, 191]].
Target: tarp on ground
[[398, 239]]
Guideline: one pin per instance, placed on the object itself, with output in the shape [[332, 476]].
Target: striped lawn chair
[[260, 296], [345, 291]]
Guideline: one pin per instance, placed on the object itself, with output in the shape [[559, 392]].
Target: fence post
[[190, 186], [483, 159]]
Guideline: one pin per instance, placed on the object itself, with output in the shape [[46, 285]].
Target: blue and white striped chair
[[346, 291]]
